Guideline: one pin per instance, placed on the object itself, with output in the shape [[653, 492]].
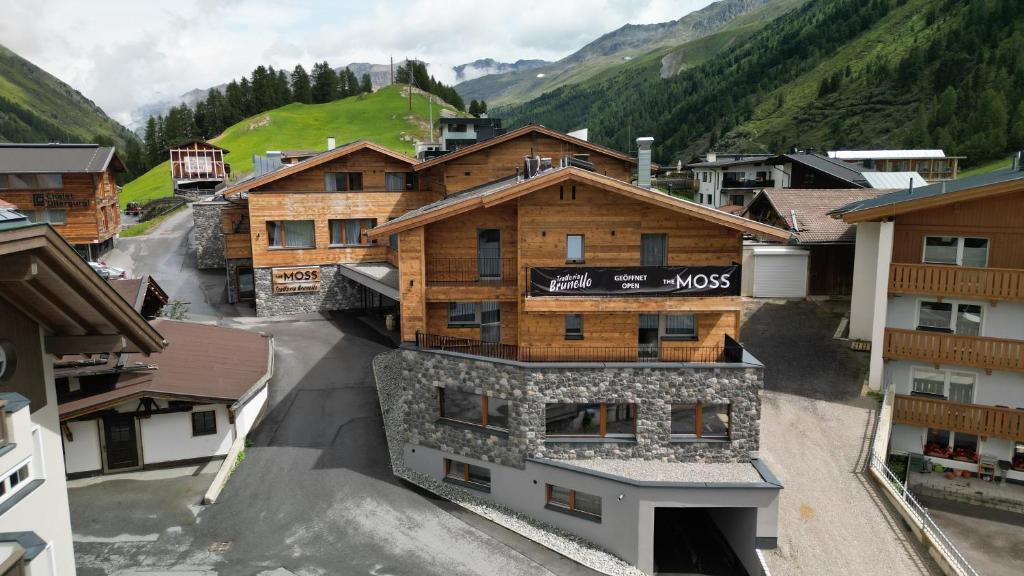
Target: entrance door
[[121, 443], [246, 284], [647, 336], [693, 541], [488, 253]]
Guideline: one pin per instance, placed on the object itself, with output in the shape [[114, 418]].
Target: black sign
[[636, 281], [58, 200]]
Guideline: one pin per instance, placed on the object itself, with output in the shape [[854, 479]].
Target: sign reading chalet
[[58, 200], [636, 281], [295, 280]]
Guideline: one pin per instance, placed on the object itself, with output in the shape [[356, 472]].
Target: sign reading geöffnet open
[[295, 280], [636, 281]]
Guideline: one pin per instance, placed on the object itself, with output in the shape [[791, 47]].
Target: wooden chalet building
[[197, 166], [72, 187]]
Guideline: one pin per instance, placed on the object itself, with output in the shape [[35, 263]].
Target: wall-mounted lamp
[[613, 232], [411, 282], [543, 232], [621, 496]]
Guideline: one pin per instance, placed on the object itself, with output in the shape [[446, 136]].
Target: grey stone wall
[[528, 389], [209, 234], [336, 293]]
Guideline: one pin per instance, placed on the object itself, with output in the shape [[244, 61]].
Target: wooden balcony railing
[[966, 418], [944, 348], [956, 281]]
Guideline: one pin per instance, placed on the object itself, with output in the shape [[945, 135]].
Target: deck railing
[[730, 352], [945, 348], [471, 271], [938, 280], [954, 416]]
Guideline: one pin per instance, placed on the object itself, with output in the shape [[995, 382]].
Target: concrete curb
[[221, 479]]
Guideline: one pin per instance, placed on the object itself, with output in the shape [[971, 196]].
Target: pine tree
[[151, 141], [351, 82], [301, 91], [248, 103], [483, 106], [474, 107], [282, 91], [235, 98], [325, 83], [262, 90], [366, 85]]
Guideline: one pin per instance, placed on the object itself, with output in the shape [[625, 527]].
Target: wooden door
[[121, 442]]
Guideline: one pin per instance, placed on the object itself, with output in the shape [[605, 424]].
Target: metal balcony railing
[[747, 183], [471, 271]]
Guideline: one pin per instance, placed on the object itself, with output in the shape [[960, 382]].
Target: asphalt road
[[314, 494]]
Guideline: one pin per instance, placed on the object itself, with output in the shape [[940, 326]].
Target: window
[[393, 241], [736, 199], [351, 232], [574, 249], [290, 234], [399, 181], [204, 423], [970, 252], [463, 314], [31, 181], [574, 327], [653, 249], [573, 501], [950, 316], [700, 420], [468, 475], [470, 408], [16, 479], [953, 386], [343, 181], [680, 326], [54, 216], [594, 420]]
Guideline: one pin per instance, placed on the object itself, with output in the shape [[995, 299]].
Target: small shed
[[198, 165], [779, 271]]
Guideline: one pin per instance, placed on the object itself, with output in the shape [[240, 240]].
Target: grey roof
[[845, 171], [10, 216], [476, 191], [937, 189], [725, 160], [55, 158], [379, 276], [894, 180]]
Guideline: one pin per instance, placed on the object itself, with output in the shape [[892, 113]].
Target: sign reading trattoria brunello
[[295, 280], [636, 281]]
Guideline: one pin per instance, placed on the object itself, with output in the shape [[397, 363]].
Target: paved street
[[314, 495], [991, 540]]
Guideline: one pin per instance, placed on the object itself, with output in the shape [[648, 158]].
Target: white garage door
[[780, 272]]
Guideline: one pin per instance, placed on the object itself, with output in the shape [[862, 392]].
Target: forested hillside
[[828, 74]]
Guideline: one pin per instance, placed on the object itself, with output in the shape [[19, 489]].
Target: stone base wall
[[336, 293], [209, 234], [528, 389]]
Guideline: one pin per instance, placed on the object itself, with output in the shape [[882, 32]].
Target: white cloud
[[127, 53]]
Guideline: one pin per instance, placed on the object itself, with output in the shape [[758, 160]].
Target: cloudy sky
[[126, 53]]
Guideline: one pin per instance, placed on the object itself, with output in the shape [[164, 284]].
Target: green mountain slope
[[616, 47], [37, 107], [382, 117], [827, 74]]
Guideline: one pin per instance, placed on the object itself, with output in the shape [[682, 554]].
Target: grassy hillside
[[827, 74], [382, 117], [37, 107]]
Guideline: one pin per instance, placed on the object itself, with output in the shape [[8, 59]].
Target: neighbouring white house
[[52, 304], [939, 292], [185, 405], [734, 179]]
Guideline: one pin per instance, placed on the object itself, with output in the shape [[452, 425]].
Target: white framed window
[[952, 385], [15, 479], [574, 249], [956, 250], [953, 316]]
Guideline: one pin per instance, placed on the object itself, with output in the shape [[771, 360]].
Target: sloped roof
[[894, 180], [812, 209], [135, 290], [838, 169], [520, 132], [57, 158], [508, 188], [725, 160], [940, 193], [289, 169], [201, 361], [885, 154], [200, 141]]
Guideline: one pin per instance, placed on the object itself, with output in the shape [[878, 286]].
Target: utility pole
[[392, 69], [408, 66]]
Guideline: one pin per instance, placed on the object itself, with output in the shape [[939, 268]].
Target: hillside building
[[461, 132], [939, 292], [932, 165], [72, 187], [570, 352], [197, 167], [52, 305]]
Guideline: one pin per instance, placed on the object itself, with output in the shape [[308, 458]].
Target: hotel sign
[[58, 200], [295, 280], [636, 281]]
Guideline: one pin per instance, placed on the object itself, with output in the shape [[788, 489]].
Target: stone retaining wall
[[209, 234], [336, 293], [528, 389]]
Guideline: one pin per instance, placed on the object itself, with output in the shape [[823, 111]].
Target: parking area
[[815, 429], [991, 540]]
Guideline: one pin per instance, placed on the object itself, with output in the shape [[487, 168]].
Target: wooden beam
[[90, 344]]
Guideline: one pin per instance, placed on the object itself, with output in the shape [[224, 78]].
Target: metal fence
[[898, 488]]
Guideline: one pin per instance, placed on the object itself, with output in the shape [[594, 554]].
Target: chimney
[[711, 157], [331, 143], [643, 157]]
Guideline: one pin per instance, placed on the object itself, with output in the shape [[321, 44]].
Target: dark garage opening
[[690, 540]]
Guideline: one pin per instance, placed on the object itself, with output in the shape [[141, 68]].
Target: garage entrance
[[700, 541]]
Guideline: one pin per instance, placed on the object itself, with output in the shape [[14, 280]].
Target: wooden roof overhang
[[905, 206], [535, 128], [586, 177], [322, 158], [44, 278]]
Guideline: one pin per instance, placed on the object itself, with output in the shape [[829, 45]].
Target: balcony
[[944, 348], [955, 281], [471, 272], [967, 418], [730, 352], [747, 183]]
